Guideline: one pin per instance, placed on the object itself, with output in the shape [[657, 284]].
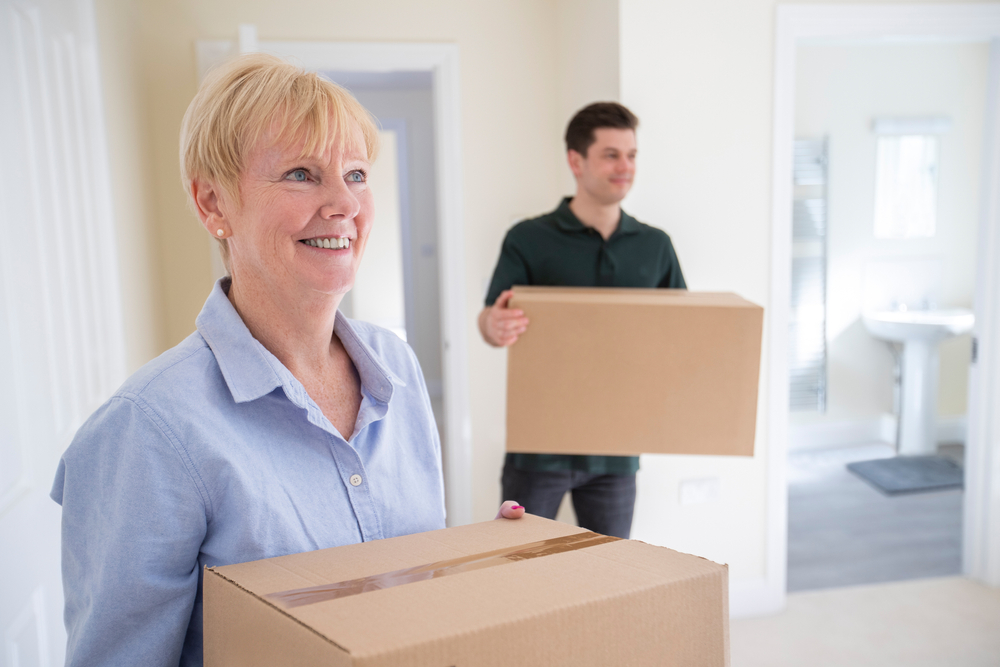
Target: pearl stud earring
[[220, 232]]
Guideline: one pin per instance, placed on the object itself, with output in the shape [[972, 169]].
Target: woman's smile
[[329, 243]]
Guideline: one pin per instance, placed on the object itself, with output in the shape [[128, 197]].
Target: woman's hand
[[510, 510], [499, 324]]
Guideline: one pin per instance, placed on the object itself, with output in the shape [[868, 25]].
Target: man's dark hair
[[580, 132]]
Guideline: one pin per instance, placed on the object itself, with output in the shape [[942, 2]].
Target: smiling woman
[[280, 425], [284, 107], [286, 194]]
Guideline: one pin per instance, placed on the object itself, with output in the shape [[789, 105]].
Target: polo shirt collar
[[567, 221], [251, 371], [627, 225]]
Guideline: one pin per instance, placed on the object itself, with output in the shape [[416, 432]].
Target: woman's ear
[[208, 203]]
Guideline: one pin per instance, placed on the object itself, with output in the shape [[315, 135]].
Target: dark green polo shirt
[[557, 249]]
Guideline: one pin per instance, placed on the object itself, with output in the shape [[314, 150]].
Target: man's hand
[[499, 324], [510, 510]]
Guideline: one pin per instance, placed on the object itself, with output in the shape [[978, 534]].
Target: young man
[[587, 241]]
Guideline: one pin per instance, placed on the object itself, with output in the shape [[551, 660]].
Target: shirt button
[[355, 480]]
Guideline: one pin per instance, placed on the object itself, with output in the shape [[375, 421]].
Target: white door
[[61, 351]]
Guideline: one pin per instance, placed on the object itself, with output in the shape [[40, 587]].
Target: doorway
[[885, 212], [915, 23]]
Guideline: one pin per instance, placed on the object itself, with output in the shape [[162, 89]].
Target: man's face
[[606, 171]]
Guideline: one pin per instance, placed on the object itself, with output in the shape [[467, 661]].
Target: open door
[[61, 348]]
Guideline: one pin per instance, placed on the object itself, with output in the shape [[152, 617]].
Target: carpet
[[909, 474]]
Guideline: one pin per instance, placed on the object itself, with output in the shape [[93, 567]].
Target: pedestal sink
[[919, 331]]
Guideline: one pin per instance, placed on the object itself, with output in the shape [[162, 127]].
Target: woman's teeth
[[342, 242]]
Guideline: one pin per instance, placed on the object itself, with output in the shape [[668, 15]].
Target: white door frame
[[796, 24], [441, 60]]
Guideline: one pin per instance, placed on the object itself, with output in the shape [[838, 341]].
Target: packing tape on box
[[444, 568]]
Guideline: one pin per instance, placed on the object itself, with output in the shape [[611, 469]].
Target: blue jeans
[[603, 503]]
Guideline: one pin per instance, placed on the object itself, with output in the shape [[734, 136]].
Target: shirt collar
[[251, 371], [375, 376], [567, 221]]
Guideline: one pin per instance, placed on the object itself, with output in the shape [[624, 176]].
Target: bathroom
[[887, 201]]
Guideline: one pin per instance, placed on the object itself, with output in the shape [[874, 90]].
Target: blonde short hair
[[239, 102]]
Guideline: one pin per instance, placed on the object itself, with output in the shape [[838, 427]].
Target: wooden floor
[[950, 622], [843, 532]]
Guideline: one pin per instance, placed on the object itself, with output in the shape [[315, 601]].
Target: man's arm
[[501, 325]]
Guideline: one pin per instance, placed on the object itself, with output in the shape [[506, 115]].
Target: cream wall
[[699, 76], [128, 152], [840, 89], [587, 53]]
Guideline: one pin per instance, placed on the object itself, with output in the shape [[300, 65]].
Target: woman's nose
[[340, 203]]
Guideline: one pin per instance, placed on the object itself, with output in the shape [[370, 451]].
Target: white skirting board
[[863, 431]]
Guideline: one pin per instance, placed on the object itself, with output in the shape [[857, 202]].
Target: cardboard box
[[483, 595], [633, 371]]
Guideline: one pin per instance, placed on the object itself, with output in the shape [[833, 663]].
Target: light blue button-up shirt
[[214, 454]]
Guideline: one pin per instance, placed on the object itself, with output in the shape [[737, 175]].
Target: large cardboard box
[[633, 371], [504, 593]]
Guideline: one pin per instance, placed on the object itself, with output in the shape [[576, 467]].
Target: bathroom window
[[906, 186]]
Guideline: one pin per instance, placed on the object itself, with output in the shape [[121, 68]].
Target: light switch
[[700, 491]]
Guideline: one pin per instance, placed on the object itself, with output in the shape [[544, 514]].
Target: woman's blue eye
[[299, 175], [356, 177]]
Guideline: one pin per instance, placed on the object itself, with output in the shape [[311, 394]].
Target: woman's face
[[302, 223]]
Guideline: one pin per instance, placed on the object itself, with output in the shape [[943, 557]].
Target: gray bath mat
[[909, 474]]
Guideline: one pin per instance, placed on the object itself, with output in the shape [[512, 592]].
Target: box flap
[[626, 296], [389, 620], [361, 560]]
